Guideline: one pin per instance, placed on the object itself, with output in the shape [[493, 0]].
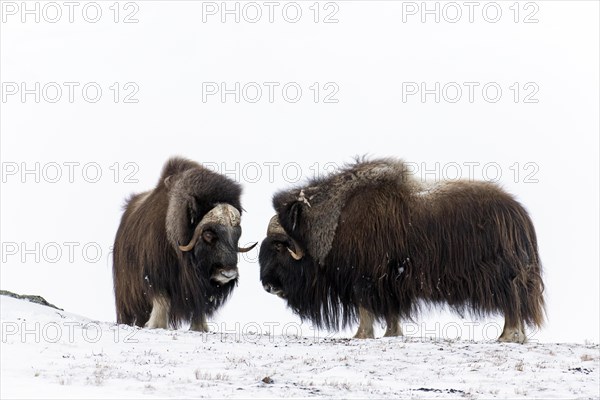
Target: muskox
[[373, 242], [175, 252]]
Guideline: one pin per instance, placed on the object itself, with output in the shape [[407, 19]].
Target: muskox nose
[[224, 275], [271, 289], [229, 273]]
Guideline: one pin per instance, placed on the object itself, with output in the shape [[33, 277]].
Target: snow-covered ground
[[48, 353]]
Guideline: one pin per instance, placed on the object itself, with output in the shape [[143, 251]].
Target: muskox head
[[215, 242], [280, 258], [204, 234], [290, 272], [286, 269]]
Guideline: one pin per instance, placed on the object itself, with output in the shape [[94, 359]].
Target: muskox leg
[[365, 327], [199, 323], [393, 327], [160, 313], [513, 332], [513, 322]]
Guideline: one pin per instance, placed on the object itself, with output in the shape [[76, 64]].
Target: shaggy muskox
[[175, 253], [372, 242]]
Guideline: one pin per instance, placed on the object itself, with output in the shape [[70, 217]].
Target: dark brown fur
[[146, 259], [397, 245]]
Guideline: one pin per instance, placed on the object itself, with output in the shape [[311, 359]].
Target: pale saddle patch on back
[[328, 197]]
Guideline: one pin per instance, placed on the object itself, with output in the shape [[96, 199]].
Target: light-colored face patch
[[223, 214], [275, 227]]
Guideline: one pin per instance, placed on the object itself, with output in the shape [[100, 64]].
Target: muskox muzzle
[[215, 239]]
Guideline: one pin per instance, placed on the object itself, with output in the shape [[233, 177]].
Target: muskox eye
[[208, 236], [279, 246]]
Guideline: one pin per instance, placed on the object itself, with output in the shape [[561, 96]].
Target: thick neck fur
[[307, 288]]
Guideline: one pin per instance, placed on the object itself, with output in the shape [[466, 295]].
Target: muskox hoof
[[159, 317], [202, 328], [199, 325], [393, 332], [512, 336], [364, 335], [155, 325]]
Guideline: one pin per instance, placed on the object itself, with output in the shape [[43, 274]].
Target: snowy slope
[[47, 353]]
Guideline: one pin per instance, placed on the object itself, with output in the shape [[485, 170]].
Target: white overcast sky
[[517, 92]]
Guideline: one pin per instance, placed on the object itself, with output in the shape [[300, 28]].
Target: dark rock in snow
[[31, 298]]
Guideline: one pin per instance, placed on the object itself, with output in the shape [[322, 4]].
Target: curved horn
[[276, 228], [222, 214], [246, 249], [192, 243], [298, 254]]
